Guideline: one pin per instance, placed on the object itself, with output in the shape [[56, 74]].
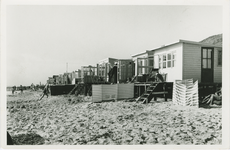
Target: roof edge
[[173, 43], [138, 54]]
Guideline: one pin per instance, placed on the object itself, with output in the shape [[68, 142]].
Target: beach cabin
[[76, 76], [183, 60], [125, 70], [104, 66], [144, 62], [116, 70], [59, 79], [50, 80], [67, 78], [88, 73]]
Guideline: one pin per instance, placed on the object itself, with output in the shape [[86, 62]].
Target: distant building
[[50, 80], [76, 76]]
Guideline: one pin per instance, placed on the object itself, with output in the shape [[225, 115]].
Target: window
[[164, 60], [146, 64], [207, 58], [140, 69], [150, 62], [169, 60], [173, 59], [160, 61], [219, 57], [102, 70]]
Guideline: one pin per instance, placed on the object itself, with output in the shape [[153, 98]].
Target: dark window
[[160, 61], [219, 57], [173, 59], [207, 58], [169, 60], [140, 69], [164, 60]]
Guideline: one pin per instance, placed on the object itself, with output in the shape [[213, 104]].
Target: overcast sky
[[42, 39]]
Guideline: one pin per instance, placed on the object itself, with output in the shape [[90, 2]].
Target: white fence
[[114, 91], [185, 93]]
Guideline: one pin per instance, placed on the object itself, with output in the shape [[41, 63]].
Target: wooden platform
[[141, 87]]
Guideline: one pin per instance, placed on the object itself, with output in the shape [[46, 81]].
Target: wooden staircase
[[133, 79], [79, 89], [89, 91], [76, 85], [154, 90]]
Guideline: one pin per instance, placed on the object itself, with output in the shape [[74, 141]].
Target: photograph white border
[[226, 32]]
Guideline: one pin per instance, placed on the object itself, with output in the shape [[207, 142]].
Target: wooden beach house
[[116, 70], [183, 60], [104, 66]]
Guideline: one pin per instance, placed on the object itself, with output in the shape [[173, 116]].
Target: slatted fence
[[112, 92], [185, 93]]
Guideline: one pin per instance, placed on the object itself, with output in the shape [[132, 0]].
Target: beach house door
[[207, 65]]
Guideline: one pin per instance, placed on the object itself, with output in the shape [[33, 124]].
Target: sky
[[42, 39]]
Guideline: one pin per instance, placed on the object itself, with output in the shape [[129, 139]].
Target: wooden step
[[146, 95], [152, 87], [146, 100], [142, 98]]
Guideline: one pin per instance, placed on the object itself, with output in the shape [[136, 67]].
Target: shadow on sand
[[206, 106], [28, 139]]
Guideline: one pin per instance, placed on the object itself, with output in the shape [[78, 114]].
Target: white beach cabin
[[183, 60]]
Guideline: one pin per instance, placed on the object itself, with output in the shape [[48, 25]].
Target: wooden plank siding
[[112, 92], [125, 91], [192, 61], [217, 68], [125, 69], [97, 93], [104, 92]]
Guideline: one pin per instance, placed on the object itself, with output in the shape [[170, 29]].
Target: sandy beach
[[72, 120]]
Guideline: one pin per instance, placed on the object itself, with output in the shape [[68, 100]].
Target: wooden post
[[164, 88], [85, 91], [137, 67], [139, 91]]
